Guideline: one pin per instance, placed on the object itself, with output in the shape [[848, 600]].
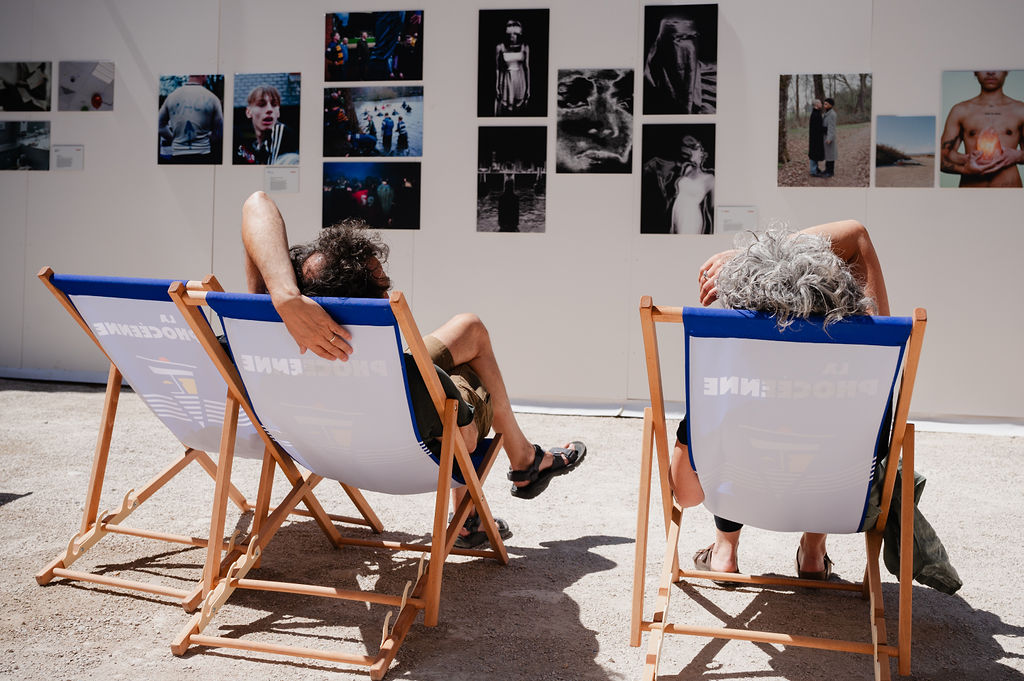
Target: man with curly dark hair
[[347, 260]]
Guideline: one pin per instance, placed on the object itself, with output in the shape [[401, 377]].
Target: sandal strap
[[528, 474]]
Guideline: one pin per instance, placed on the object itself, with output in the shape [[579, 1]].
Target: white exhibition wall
[[561, 305]]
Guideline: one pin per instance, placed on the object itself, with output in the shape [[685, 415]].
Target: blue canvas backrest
[[145, 336], [784, 425], [350, 421]]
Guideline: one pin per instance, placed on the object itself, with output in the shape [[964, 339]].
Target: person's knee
[[471, 325]]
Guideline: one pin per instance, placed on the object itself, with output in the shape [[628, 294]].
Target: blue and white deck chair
[[149, 344], [784, 427], [352, 422]]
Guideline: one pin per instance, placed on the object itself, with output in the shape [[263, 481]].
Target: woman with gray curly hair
[[830, 271]]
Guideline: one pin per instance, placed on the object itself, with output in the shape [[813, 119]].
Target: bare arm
[[268, 269], [952, 160], [526, 71], [850, 241], [163, 124]]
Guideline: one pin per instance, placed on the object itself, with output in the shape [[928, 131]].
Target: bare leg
[[812, 551], [685, 485], [469, 343], [723, 558]]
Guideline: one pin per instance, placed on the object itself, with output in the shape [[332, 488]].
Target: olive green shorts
[[468, 383]]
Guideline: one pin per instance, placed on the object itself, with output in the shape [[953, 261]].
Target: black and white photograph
[[85, 86], [266, 119], [680, 59], [24, 145], [190, 122], [384, 120], [373, 46], [25, 85], [511, 179], [512, 75], [384, 195], [594, 132], [677, 186]]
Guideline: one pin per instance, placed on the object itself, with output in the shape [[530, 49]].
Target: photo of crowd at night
[[383, 195]]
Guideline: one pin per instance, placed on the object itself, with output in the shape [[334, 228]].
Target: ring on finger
[[331, 339]]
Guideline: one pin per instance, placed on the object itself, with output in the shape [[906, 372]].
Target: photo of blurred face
[[595, 120], [264, 112]]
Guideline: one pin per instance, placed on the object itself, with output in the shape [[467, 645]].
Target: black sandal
[[477, 537], [564, 461]]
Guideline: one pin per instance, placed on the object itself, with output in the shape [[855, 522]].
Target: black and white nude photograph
[[511, 179], [680, 57], [594, 132], [383, 195], [677, 185], [512, 76]]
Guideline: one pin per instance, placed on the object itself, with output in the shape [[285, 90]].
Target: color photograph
[[85, 86], [383, 195], [980, 144], [373, 46], [266, 119], [190, 122], [905, 151], [373, 121], [24, 145], [512, 75], [677, 181], [680, 57], [25, 85], [824, 130], [511, 181], [594, 133]]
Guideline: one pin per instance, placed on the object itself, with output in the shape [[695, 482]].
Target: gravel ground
[[558, 610]]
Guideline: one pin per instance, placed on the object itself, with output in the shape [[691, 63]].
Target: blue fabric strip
[[860, 330], [257, 307], [477, 457], [113, 287]]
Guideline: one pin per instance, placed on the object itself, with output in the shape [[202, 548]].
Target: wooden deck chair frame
[[655, 439], [423, 594], [96, 524]]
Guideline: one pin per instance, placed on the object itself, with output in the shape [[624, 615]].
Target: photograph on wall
[[384, 195], [266, 119], [677, 179], [512, 65], [373, 46], [190, 122], [511, 182], [824, 130], [384, 120], [980, 144], [85, 86], [594, 133], [24, 145], [905, 151], [680, 59], [25, 85]]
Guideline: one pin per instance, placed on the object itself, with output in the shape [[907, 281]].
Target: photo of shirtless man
[[990, 129]]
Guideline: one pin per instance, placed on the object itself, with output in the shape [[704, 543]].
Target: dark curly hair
[[344, 270]]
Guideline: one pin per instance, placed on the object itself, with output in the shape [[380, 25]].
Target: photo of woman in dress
[[513, 63]]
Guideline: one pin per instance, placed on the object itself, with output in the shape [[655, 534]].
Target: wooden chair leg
[[661, 602], [903, 633], [643, 513]]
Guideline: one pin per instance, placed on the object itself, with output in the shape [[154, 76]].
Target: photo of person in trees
[[824, 130]]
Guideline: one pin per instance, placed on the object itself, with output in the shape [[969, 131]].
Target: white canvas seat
[[783, 429], [349, 421], [151, 346]]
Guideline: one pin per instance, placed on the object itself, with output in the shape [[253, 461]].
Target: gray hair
[[791, 276]]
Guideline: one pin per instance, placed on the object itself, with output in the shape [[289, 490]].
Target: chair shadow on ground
[[491, 615], [951, 640]]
